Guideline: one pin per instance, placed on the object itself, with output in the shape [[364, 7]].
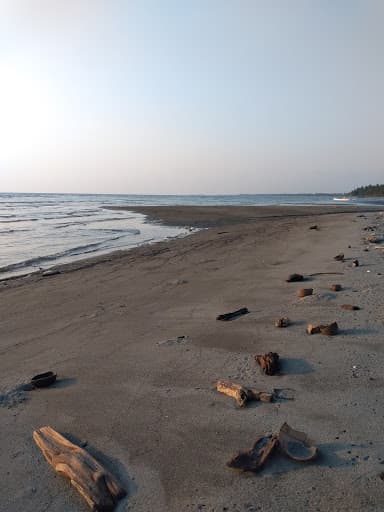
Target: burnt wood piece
[[242, 394], [97, 486], [233, 314], [335, 287], [339, 257], [329, 330], [313, 329], [294, 278], [42, 380], [349, 307], [254, 459], [315, 226], [269, 363]]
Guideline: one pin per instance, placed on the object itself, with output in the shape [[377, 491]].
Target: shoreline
[[137, 348], [196, 217]]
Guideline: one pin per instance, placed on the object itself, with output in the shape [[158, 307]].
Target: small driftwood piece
[[315, 226], [233, 314], [282, 322], [294, 278], [304, 292], [269, 363], [97, 486], [335, 287], [355, 263], [329, 330], [350, 307], [254, 459], [313, 329], [339, 257], [242, 394]]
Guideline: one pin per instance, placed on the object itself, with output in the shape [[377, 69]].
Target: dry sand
[[145, 401]]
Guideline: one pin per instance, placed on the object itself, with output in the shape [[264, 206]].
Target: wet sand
[[145, 401]]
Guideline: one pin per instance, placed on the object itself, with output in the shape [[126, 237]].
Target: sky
[[191, 96]]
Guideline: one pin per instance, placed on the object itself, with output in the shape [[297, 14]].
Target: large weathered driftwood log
[[241, 394], [89, 477]]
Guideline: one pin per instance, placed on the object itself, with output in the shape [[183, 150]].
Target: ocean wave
[[17, 220], [73, 251], [8, 231]]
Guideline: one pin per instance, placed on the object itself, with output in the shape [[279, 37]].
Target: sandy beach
[[137, 348]]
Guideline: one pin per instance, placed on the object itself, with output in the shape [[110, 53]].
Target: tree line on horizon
[[369, 191]]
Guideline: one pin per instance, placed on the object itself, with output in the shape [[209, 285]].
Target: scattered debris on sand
[[339, 257], [335, 287]]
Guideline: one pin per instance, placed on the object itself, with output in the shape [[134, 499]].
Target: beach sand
[[137, 348]]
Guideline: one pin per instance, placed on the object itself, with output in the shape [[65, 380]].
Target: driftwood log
[[97, 486], [242, 394]]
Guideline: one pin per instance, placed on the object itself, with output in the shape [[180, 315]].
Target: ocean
[[38, 231]]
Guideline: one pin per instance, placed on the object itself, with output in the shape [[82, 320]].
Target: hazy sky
[[191, 96]]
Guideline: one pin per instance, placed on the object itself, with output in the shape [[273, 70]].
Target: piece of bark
[[304, 292], [293, 278], [242, 394], [313, 329], [269, 363], [282, 322], [339, 257], [329, 330], [97, 486], [350, 307], [295, 444], [313, 227], [254, 459], [233, 314], [335, 287]]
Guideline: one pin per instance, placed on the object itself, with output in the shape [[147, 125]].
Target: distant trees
[[369, 191]]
